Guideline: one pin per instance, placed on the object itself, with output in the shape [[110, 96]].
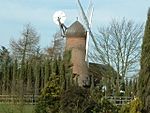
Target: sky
[[15, 14]]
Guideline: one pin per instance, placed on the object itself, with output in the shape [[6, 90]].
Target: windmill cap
[[76, 30]]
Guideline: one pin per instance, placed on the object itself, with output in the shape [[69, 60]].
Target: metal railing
[[32, 99], [119, 100], [26, 99]]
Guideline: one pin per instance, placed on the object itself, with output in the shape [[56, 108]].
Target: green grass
[[16, 108]]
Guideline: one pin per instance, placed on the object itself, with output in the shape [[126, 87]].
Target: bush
[[50, 97], [76, 100], [102, 104], [73, 100], [134, 106]]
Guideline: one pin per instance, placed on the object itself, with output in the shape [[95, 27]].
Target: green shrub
[[102, 104], [134, 106], [50, 97], [76, 100], [73, 100]]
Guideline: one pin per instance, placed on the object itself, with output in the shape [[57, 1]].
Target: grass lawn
[[16, 108]]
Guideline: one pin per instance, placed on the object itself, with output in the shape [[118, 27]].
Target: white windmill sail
[[89, 17], [90, 11], [83, 15], [87, 23]]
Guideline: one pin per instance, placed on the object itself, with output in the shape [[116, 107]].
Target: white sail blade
[[90, 11], [87, 24], [87, 47], [85, 20], [90, 15]]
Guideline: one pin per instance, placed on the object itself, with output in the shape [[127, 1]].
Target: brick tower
[[76, 42]]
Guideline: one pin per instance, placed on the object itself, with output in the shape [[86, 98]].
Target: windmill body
[[76, 42]]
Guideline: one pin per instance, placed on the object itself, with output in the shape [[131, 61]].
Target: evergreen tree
[[144, 77], [30, 78], [14, 77], [130, 87], [47, 71], [21, 86], [5, 78], [135, 86], [127, 87], [37, 76], [67, 77], [5, 63], [1, 81], [42, 76], [50, 96]]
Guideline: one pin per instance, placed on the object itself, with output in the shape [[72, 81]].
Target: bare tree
[[59, 44], [119, 45], [4, 55], [27, 45], [58, 47]]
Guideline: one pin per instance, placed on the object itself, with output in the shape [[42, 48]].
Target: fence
[[32, 99], [27, 99], [120, 100]]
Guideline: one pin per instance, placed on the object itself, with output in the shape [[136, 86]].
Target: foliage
[[54, 76], [57, 50], [102, 104], [59, 45], [5, 69], [27, 45], [144, 76], [64, 96], [134, 106], [76, 100], [4, 55], [103, 76], [67, 70], [105, 107], [58, 81], [50, 97], [118, 45]]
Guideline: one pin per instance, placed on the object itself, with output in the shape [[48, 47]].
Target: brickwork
[[77, 44]]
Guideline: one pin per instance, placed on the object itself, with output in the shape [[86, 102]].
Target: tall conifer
[[47, 73], [144, 77], [37, 77], [30, 78], [14, 78]]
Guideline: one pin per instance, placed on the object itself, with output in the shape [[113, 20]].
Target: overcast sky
[[14, 14]]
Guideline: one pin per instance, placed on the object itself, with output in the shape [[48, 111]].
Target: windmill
[[77, 43], [87, 20]]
